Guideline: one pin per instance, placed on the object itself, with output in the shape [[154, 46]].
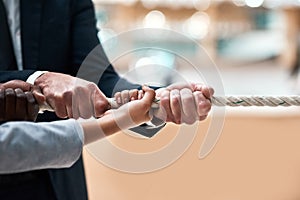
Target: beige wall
[[257, 157]]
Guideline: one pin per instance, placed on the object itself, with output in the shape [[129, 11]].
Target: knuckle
[[51, 96], [165, 100], [9, 92], [79, 90], [91, 86], [67, 94], [125, 92], [117, 94], [57, 97]]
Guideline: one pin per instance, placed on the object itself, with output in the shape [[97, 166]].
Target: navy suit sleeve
[[15, 75]]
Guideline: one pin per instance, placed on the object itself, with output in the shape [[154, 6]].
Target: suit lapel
[[7, 57], [31, 14]]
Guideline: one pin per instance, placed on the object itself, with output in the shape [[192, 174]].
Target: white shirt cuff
[[34, 76]]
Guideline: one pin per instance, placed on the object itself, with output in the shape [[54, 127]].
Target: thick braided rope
[[232, 101], [235, 101]]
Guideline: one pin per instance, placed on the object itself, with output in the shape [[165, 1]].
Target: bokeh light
[[154, 19], [254, 3]]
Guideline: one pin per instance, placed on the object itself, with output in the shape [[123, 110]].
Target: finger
[[58, 104], [207, 91], [140, 94], [175, 104], [148, 99], [60, 110], [83, 100], [68, 99], [165, 112], [100, 103], [32, 106], [75, 110], [125, 96], [179, 86], [108, 112], [202, 117], [133, 94], [117, 97], [38, 95], [14, 84], [203, 104], [197, 86], [149, 95], [69, 109], [204, 107], [189, 109], [10, 104], [2, 104], [197, 96], [50, 99], [21, 111]]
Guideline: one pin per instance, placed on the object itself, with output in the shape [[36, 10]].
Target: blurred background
[[255, 47], [254, 43]]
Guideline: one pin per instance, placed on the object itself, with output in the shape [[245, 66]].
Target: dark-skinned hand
[[17, 102]]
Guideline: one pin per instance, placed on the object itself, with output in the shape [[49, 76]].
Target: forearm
[[26, 146], [97, 129]]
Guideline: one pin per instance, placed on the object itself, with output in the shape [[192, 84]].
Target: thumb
[[100, 103], [149, 95], [207, 91], [37, 93]]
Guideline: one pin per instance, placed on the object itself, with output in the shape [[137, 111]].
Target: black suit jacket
[[57, 35]]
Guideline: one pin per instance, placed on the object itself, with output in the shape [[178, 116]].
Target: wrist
[[33, 77]]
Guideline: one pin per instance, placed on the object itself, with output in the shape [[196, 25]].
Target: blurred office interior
[[253, 43]]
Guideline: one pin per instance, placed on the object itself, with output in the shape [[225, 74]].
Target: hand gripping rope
[[245, 101], [233, 101]]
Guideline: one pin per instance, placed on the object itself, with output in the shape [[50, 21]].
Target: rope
[[235, 101]]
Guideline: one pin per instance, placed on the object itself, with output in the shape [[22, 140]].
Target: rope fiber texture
[[271, 101]]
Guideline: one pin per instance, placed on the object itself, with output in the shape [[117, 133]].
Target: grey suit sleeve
[[26, 146]]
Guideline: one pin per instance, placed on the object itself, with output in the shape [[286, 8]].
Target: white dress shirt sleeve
[[31, 79], [26, 146]]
